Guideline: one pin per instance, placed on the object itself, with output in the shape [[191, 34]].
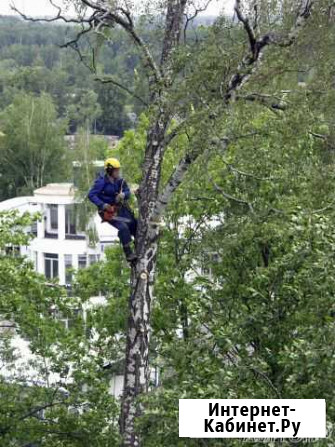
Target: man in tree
[[110, 193]]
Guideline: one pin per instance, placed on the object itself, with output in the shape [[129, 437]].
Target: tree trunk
[[137, 372]]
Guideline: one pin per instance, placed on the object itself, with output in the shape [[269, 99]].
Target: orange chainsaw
[[110, 214]]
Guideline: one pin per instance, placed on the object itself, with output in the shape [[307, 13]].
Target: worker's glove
[[107, 207], [120, 197]]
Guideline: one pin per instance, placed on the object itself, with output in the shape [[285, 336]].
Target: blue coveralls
[[105, 191]]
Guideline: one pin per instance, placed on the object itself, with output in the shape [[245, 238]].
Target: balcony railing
[[48, 235], [75, 237]]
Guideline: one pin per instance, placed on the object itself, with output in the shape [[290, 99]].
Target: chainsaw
[[110, 214]]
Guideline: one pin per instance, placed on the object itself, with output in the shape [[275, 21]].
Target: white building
[[60, 241]]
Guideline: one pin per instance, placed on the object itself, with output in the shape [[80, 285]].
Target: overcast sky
[[43, 7]]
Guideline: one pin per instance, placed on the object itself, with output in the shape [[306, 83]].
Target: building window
[[209, 260], [68, 267], [94, 259], [68, 321], [34, 228], [105, 246], [53, 217], [82, 261], [13, 251], [70, 220], [51, 265], [74, 220]]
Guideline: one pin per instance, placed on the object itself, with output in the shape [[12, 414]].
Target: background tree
[[33, 61], [57, 395], [32, 149]]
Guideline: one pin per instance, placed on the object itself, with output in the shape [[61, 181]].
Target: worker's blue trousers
[[128, 228]]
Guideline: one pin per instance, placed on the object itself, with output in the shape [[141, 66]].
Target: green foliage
[[33, 62], [58, 395], [32, 148]]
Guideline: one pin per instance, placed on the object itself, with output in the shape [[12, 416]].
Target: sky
[[43, 7]]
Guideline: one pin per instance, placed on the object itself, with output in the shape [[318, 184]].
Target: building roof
[[16, 203], [95, 163], [56, 189]]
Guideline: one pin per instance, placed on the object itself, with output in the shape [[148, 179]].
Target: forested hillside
[[32, 61], [46, 92]]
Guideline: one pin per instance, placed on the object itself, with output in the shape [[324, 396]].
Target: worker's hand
[[120, 197], [107, 207]]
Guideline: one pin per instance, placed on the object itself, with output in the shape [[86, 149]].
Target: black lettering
[[285, 423], [213, 409], [276, 411], [208, 425], [262, 427], [285, 409], [295, 426], [272, 424]]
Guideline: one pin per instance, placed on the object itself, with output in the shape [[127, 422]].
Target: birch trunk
[[137, 372]]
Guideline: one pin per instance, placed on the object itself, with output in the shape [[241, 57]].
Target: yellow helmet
[[112, 163]]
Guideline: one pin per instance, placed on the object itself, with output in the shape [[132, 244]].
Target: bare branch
[[103, 16], [110, 80], [251, 61], [318, 135], [58, 17], [189, 19], [75, 41], [246, 24]]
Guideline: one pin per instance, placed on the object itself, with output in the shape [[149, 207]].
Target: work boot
[[130, 255]]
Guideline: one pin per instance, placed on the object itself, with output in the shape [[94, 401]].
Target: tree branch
[[100, 17], [178, 176], [244, 71], [246, 174], [58, 17], [175, 180], [265, 100], [246, 24], [193, 16], [173, 24], [250, 62], [230, 197], [110, 80]]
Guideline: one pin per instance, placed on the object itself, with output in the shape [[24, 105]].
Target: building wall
[[53, 240]]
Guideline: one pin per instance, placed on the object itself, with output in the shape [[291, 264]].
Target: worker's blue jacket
[[104, 191]]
